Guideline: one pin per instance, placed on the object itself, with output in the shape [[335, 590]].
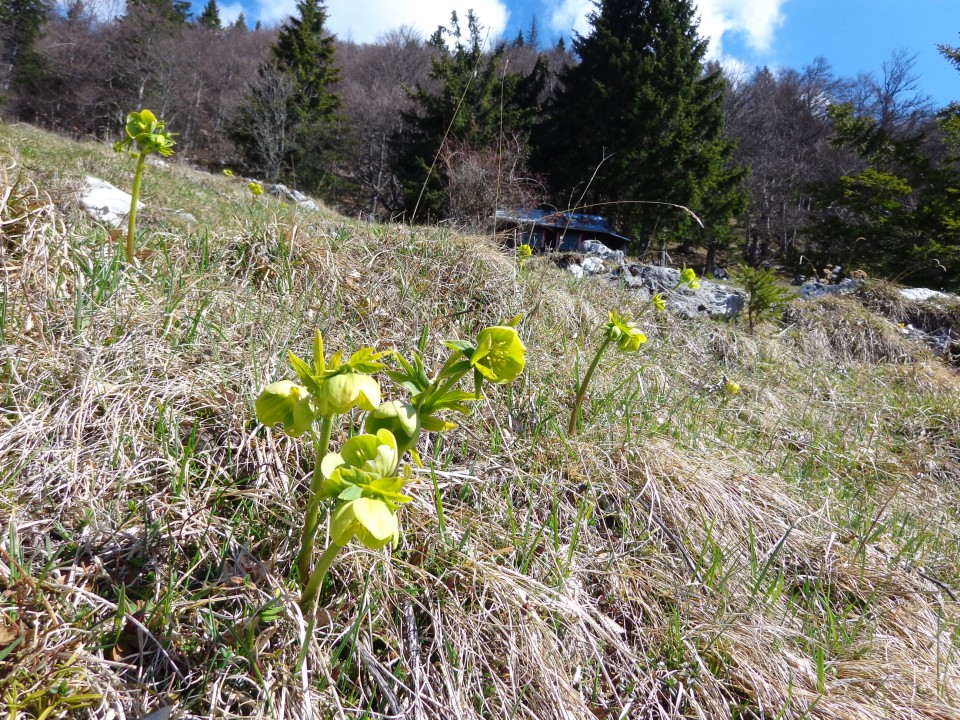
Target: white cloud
[[229, 13], [755, 20], [365, 20], [567, 15]]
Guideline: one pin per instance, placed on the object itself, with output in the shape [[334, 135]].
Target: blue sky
[[853, 35]]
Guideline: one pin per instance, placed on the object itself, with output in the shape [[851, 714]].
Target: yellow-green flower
[[362, 460], [624, 333], [731, 388], [343, 392], [287, 403], [148, 133], [228, 172], [256, 189], [524, 253], [400, 418], [367, 519], [500, 355], [689, 277], [363, 476], [659, 303]]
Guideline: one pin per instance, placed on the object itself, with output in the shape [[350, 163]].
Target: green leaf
[[463, 346], [319, 363], [350, 492], [305, 374]]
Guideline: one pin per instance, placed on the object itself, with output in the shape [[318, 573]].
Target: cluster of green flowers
[[366, 478], [147, 134], [623, 332]]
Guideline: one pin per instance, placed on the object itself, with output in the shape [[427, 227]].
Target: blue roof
[[560, 220]]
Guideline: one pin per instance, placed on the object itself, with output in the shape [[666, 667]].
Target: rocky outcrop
[[814, 288], [711, 299], [293, 196]]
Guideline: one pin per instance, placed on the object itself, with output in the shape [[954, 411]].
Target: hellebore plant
[[627, 337], [497, 356], [149, 135], [364, 480]]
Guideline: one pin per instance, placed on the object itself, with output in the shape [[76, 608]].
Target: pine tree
[[304, 54], [210, 17], [21, 24], [478, 104], [639, 119], [304, 50]]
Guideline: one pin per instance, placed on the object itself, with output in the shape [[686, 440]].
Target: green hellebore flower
[[659, 303], [255, 188], [288, 403], [623, 332], [149, 133], [366, 465], [524, 253], [400, 418], [499, 355], [689, 277], [341, 393], [368, 519]]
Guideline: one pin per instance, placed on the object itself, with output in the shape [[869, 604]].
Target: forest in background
[[797, 167]]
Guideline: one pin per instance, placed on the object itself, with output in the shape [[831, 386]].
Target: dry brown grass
[[788, 552]]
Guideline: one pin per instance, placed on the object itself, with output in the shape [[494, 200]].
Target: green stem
[[583, 386], [132, 219], [317, 576], [310, 522]]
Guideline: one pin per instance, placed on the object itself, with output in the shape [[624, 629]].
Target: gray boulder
[[711, 299], [814, 289], [104, 202], [293, 196], [594, 247], [922, 294]]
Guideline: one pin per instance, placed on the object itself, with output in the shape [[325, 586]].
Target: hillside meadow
[[788, 551]]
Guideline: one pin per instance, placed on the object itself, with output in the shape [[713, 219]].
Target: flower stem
[[310, 523], [135, 198], [582, 390], [317, 576]]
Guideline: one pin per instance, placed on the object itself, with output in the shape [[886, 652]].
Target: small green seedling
[[149, 135], [628, 338]]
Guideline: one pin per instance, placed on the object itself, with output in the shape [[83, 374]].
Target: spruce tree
[[21, 24], [210, 17], [478, 103], [640, 119], [304, 51]]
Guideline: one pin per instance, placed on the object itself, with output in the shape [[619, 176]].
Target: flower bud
[[400, 418], [287, 403]]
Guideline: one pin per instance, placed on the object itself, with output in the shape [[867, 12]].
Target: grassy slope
[[788, 552]]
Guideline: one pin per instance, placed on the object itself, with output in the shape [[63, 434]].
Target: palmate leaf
[[403, 380], [306, 375], [365, 360], [464, 347]]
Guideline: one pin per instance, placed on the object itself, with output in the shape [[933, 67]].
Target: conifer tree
[[210, 17], [639, 118], [21, 24], [479, 102], [303, 54], [304, 51]]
